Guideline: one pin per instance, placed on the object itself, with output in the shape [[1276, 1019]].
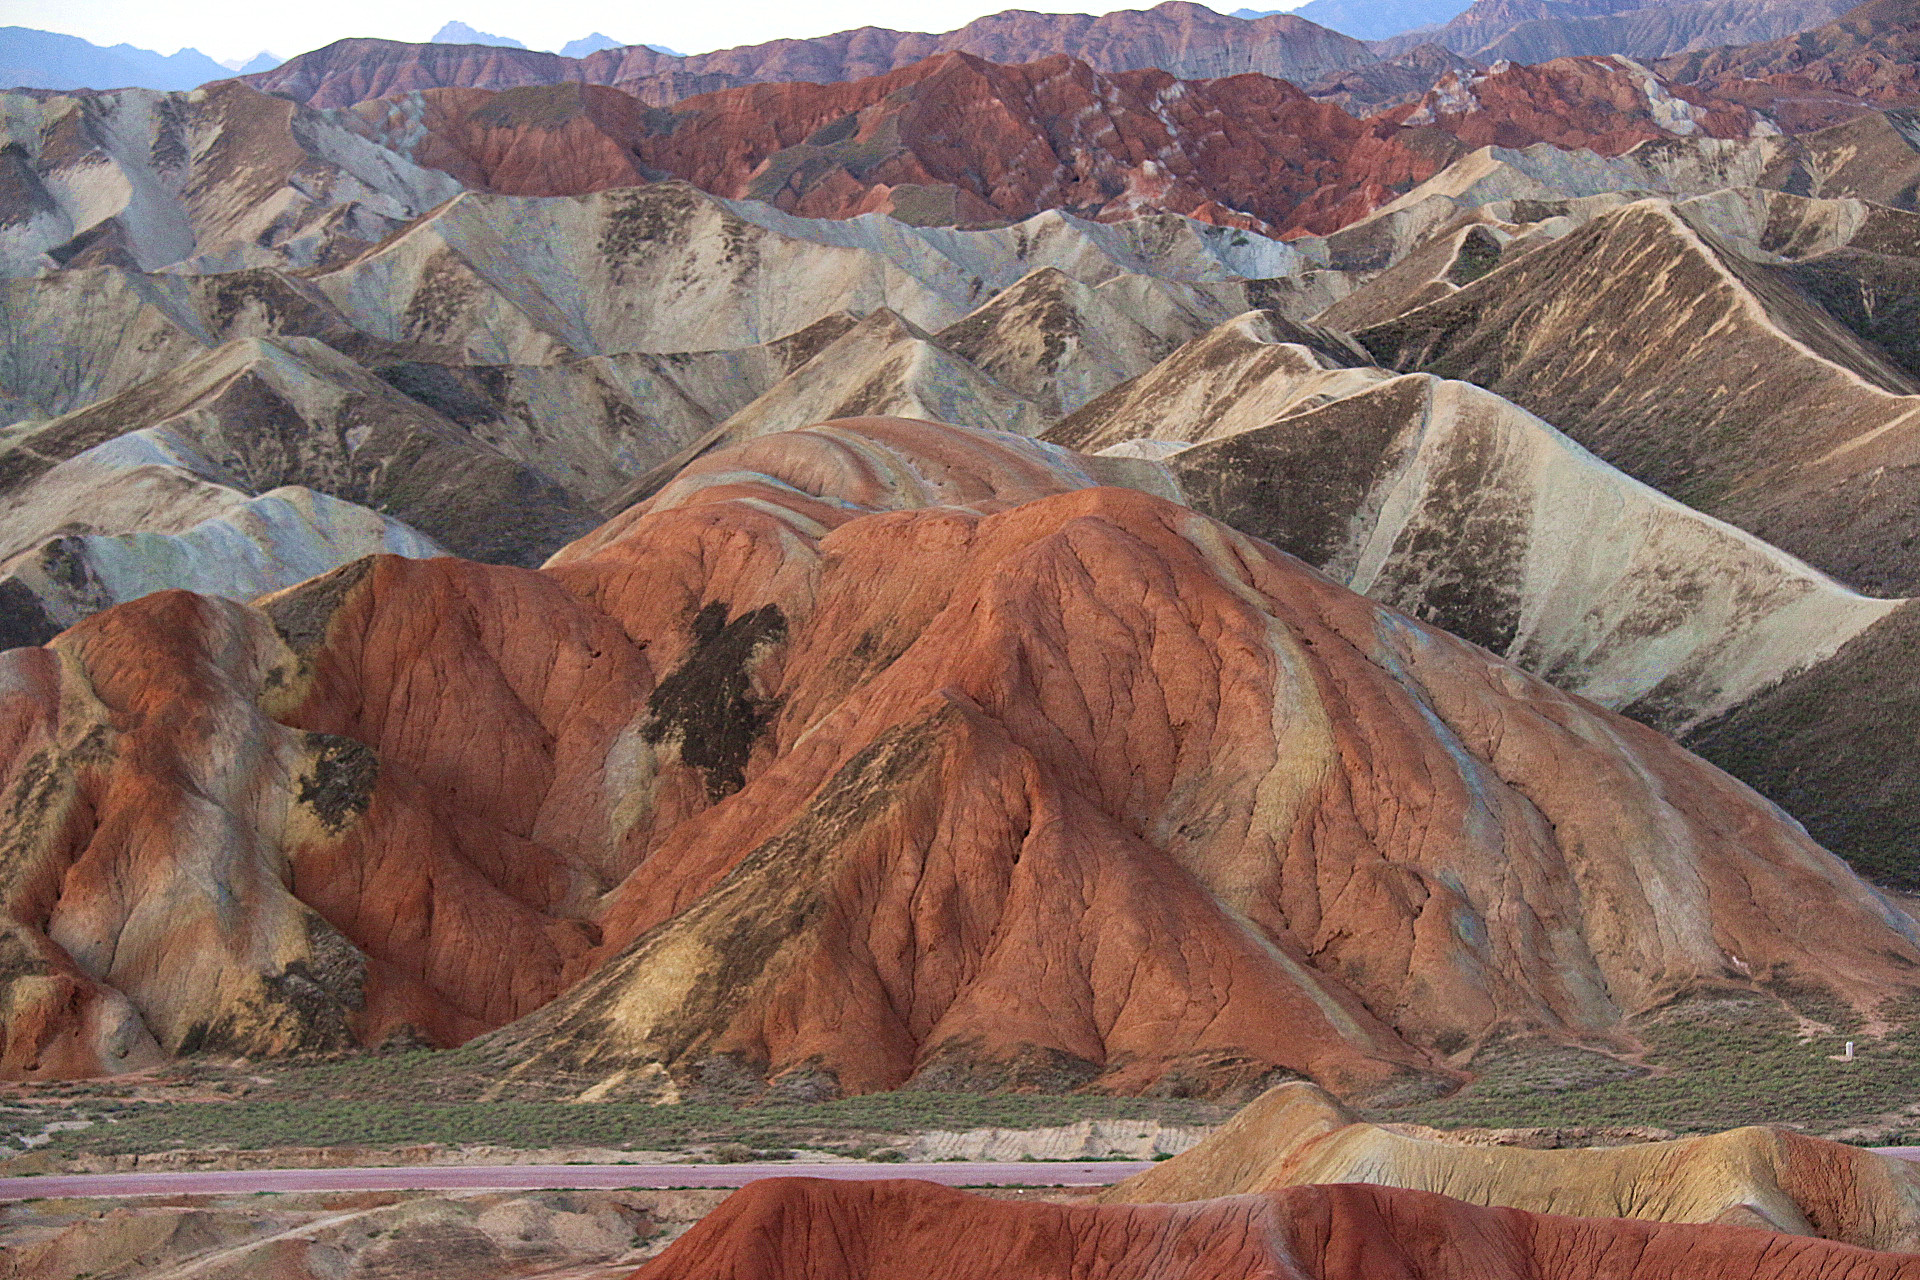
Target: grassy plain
[[1709, 1063]]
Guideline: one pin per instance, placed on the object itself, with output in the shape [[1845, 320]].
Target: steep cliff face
[[1190, 41]]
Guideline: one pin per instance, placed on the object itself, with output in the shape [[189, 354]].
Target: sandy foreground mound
[[553, 1235], [1296, 1134], [809, 1229]]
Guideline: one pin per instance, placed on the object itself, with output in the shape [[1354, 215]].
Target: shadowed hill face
[[1710, 375], [822, 1230], [877, 718]]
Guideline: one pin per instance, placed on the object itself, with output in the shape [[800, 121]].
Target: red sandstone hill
[[1188, 40], [871, 754], [950, 139], [815, 1229], [958, 139], [1607, 105]]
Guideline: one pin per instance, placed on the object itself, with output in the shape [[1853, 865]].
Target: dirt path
[[532, 1177]]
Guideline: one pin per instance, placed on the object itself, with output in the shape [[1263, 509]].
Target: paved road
[[535, 1177], [531, 1177]]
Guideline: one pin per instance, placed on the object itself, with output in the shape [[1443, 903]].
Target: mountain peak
[[460, 33], [265, 60], [590, 44]]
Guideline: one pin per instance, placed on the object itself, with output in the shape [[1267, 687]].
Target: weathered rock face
[[543, 140], [568, 378], [1867, 53], [1866, 159], [1378, 86], [666, 269], [293, 412], [826, 1230], [877, 718], [1059, 342], [223, 175], [1603, 105], [1452, 505], [572, 1234], [186, 532], [1462, 509], [1248, 150], [1801, 454], [1296, 1135], [1049, 134], [1829, 744], [1188, 40], [1538, 30]]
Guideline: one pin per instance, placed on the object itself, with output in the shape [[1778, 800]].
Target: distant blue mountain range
[[32, 59], [460, 33], [1370, 19], [457, 32], [590, 44]]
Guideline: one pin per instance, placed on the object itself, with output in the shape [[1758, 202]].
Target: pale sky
[[241, 28]]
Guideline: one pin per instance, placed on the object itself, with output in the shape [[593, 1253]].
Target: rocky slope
[[1656, 302], [1051, 134], [658, 324], [656, 316], [1866, 158], [567, 808], [224, 175], [825, 1230], [1455, 506], [290, 411], [555, 1235], [1249, 151], [1189, 41], [1414, 490], [873, 654], [1866, 53], [1601, 105], [1537, 30]]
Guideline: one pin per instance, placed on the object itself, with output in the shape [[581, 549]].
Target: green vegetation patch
[[1713, 1062], [419, 1097]]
